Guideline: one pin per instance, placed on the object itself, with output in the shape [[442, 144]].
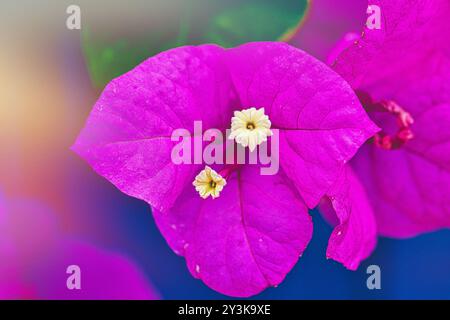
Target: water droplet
[[260, 240], [186, 245], [174, 227], [339, 233], [197, 268]]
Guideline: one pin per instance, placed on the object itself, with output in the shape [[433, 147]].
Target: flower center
[[209, 183], [250, 127], [404, 121]]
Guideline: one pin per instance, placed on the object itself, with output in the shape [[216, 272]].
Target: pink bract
[[253, 234], [328, 21], [407, 61]]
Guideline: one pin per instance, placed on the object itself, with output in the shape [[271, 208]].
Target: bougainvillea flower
[[402, 75], [250, 235], [38, 256]]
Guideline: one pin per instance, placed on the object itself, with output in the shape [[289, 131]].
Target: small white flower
[[209, 183], [250, 127]]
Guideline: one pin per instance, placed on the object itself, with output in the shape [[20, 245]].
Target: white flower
[[250, 127]]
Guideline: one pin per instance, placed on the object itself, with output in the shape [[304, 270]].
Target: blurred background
[[55, 211]]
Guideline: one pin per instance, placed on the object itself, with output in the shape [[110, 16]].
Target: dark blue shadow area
[[410, 269]]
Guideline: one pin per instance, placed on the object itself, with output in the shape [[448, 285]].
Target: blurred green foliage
[[113, 47]]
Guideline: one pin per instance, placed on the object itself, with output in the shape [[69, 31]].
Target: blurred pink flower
[[35, 256]]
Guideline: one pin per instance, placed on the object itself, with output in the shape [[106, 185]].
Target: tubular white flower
[[209, 183]]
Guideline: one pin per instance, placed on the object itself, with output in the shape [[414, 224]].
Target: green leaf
[[114, 46]]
